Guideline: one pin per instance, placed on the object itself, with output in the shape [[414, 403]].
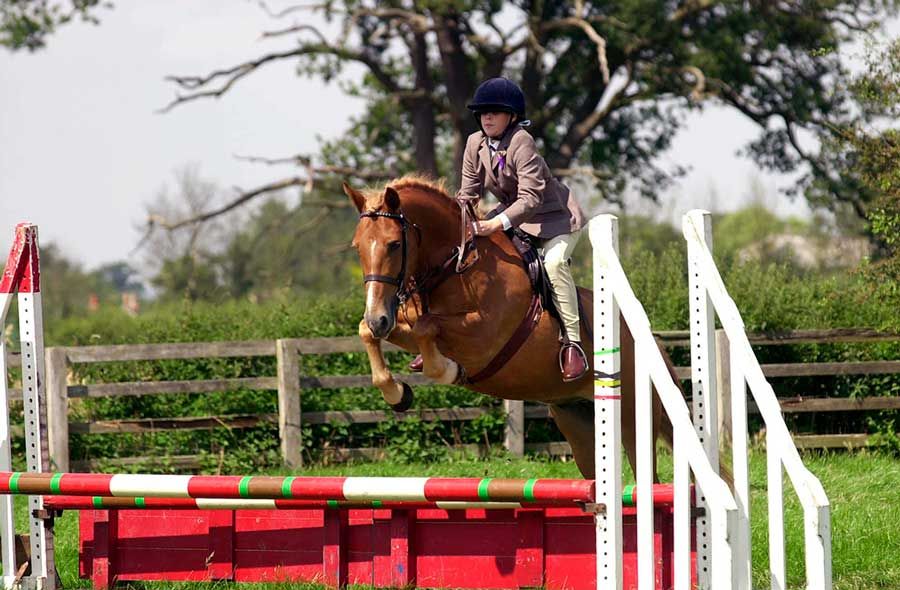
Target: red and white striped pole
[[543, 492]]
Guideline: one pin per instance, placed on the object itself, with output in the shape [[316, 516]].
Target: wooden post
[[58, 408], [514, 439], [723, 387], [287, 354]]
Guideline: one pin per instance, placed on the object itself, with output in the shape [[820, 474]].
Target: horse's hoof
[[406, 400]]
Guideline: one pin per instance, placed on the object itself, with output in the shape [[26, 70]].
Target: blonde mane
[[410, 181]]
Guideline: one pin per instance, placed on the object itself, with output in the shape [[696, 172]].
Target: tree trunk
[[424, 128], [460, 86]]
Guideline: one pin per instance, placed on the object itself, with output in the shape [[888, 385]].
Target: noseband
[[401, 277]]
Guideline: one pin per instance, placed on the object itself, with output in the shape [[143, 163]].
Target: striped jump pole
[[662, 494], [138, 503], [551, 492]]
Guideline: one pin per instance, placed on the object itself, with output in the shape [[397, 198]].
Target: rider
[[503, 158]]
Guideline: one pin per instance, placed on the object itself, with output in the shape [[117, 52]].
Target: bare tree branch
[[232, 75], [322, 46], [305, 162], [579, 22], [699, 82], [157, 221], [295, 29], [419, 23], [291, 9]]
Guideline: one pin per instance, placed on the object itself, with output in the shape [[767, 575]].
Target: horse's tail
[[667, 434]]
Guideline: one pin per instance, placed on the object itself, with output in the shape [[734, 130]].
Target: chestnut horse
[[406, 233]]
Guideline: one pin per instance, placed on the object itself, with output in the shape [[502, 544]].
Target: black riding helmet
[[500, 95]]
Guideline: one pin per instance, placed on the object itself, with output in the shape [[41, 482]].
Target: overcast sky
[[83, 150]]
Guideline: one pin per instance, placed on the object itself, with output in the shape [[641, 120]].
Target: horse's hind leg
[[576, 421]]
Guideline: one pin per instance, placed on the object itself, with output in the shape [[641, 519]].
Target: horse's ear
[[391, 199], [356, 197]]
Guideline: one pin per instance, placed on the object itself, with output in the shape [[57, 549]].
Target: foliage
[[25, 24], [869, 153], [607, 84], [273, 250]]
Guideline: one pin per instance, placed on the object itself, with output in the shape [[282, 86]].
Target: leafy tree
[[187, 277], [25, 24], [121, 276], [270, 250], [283, 249], [867, 153], [181, 262], [608, 84]]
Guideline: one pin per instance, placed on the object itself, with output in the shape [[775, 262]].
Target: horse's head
[[383, 240]]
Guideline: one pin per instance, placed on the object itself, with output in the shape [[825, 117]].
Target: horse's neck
[[440, 230]]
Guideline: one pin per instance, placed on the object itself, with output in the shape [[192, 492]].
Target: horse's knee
[[365, 333]]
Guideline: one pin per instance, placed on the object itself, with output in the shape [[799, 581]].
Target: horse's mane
[[411, 181]]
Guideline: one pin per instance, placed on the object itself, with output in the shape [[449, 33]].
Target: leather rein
[[460, 259]]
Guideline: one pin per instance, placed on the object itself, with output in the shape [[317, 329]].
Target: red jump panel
[[433, 548]]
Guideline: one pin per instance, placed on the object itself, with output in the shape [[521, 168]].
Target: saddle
[[534, 266]]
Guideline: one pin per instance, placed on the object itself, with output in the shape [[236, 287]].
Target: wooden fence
[[290, 382]]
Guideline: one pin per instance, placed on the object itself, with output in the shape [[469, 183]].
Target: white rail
[[612, 293], [780, 450]]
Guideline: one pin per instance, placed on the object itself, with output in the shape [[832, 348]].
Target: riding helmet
[[498, 94]]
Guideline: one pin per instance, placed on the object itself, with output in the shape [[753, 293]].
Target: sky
[[84, 149]]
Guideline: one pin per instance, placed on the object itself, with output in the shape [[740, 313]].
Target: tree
[[607, 83], [298, 250], [866, 153], [268, 250], [25, 24], [181, 261]]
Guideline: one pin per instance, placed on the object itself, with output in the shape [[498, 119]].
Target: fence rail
[[289, 382]]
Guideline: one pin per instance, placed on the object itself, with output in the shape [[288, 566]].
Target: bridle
[[400, 279], [460, 258]]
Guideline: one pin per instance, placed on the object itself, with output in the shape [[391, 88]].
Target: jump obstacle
[[433, 532]]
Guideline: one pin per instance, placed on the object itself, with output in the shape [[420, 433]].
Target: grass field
[[864, 490]]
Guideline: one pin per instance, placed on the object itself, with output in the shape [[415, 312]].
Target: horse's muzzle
[[380, 324]]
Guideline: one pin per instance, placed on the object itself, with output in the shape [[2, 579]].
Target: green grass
[[864, 490]]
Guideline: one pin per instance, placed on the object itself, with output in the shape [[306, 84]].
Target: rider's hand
[[487, 226]]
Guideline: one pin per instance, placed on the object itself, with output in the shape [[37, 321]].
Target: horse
[[460, 322]]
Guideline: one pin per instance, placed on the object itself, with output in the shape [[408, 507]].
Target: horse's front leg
[[397, 394], [437, 367]]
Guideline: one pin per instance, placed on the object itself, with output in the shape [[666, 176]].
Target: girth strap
[[515, 342]]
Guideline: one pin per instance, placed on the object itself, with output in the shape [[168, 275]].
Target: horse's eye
[[392, 246]]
